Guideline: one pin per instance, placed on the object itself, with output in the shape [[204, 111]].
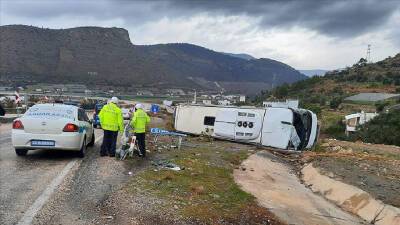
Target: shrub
[[380, 106], [335, 102], [313, 107], [336, 130], [383, 129], [387, 81], [338, 90], [379, 78]]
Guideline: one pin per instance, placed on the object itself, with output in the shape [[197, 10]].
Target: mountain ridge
[[106, 56]]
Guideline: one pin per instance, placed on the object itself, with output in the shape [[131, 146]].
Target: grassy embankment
[[205, 191]]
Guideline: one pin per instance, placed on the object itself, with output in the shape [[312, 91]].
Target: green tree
[[362, 62], [383, 129], [335, 102], [380, 106], [282, 91]]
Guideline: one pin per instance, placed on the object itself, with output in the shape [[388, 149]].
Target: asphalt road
[[54, 187]]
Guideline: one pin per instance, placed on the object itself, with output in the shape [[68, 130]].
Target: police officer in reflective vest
[[139, 121], [111, 122]]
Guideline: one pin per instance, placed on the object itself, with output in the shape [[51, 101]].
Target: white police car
[[53, 126]]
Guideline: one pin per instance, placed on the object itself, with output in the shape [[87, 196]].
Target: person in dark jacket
[[2, 111]]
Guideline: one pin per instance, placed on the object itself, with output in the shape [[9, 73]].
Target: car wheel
[[82, 151], [21, 152], [91, 143]]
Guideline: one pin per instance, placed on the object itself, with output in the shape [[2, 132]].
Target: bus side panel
[[191, 119]]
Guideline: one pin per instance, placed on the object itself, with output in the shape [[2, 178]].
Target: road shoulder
[[276, 187]]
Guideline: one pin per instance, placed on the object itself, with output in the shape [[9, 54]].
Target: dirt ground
[[371, 167], [203, 192], [194, 196], [275, 185]]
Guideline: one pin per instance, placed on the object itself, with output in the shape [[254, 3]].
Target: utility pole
[[195, 97], [368, 58], [273, 81]]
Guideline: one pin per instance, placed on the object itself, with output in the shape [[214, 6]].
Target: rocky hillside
[[382, 76], [94, 55]]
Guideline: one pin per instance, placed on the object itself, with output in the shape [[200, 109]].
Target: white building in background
[[286, 104], [207, 102], [224, 102], [242, 98], [356, 119]]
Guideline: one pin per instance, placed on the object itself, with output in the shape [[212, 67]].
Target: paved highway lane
[[23, 180]]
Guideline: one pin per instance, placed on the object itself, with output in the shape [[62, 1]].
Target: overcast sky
[[306, 34]]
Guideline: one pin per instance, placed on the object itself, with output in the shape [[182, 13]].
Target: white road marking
[[30, 214], [42, 199]]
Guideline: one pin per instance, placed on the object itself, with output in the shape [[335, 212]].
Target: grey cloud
[[344, 18], [340, 18]]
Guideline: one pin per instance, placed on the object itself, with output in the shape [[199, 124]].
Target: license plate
[[42, 143]]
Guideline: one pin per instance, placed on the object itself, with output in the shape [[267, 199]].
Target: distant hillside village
[[178, 95]]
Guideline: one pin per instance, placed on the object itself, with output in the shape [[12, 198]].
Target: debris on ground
[[166, 165], [108, 217], [202, 192]]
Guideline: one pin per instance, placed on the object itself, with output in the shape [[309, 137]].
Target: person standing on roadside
[[111, 122], [139, 121], [2, 111]]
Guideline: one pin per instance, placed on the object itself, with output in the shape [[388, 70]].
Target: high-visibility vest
[[111, 118], [139, 121]]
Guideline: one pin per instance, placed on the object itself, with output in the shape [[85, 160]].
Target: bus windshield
[[302, 121]]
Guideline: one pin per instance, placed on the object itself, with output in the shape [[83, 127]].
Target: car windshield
[[302, 123]]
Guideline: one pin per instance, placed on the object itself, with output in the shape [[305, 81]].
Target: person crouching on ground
[[111, 122], [139, 121]]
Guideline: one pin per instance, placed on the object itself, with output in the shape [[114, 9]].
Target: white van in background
[[283, 128]]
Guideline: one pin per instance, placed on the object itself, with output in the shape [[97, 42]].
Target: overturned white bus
[[284, 128]]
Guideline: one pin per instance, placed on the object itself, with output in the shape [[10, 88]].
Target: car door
[[84, 125], [90, 128]]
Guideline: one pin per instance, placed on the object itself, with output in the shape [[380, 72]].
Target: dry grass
[[205, 190]]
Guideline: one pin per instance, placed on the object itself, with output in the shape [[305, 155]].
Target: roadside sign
[[155, 108], [158, 131]]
